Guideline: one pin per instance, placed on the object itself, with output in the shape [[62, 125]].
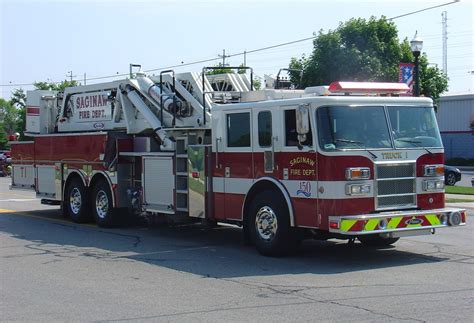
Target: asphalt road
[[55, 270]]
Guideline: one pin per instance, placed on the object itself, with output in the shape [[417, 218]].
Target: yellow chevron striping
[[371, 224], [347, 224], [433, 219], [394, 222]]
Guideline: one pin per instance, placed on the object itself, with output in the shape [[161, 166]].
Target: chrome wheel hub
[[75, 200], [101, 204], [266, 223]]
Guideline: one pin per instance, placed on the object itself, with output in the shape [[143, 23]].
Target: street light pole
[[416, 45]]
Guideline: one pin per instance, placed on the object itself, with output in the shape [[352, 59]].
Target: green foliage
[[465, 190], [433, 80], [363, 50], [52, 86], [257, 84], [8, 119], [221, 70], [18, 99]]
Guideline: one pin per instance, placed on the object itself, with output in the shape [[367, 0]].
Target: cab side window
[[265, 129], [238, 130], [291, 136]]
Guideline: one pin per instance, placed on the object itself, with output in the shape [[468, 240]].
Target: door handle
[[217, 151]]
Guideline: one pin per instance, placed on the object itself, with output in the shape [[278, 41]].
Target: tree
[[52, 86], [363, 50], [18, 100], [8, 119]]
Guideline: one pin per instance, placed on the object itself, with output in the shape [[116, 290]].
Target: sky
[[45, 40]]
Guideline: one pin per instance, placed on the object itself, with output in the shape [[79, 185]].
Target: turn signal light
[[357, 173], [434, 170]]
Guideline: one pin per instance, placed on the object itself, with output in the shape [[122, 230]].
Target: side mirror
[[302, 121]]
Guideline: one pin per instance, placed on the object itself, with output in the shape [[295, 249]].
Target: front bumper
[[399, 221]]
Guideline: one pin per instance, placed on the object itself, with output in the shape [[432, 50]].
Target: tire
[[377, 241], [450, 179], [268, 224], [102, 206], [77, 201]]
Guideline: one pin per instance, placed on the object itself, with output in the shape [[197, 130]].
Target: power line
[[244, 53], [417, 11], [179, 65]]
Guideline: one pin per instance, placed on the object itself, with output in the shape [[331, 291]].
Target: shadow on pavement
[[217, 252]]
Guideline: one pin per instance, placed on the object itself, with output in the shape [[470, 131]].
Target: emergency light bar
[[368, 87]]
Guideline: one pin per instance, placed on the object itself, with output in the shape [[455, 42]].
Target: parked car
[[451, 175], [3, 164]]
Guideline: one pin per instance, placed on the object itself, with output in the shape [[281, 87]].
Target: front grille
[[395, 171], [395, 186]]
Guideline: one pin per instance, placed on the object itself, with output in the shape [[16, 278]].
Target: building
[[456, 124]]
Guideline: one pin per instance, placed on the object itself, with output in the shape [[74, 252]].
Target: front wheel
[[102, 208], [377, 241], [269, 225], [451, 179]]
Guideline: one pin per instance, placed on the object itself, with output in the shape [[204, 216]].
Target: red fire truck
[[352, 160]]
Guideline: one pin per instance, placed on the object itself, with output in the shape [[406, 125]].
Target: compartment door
[[158, 184]]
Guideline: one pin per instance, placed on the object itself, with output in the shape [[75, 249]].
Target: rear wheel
[[76, 201], [377, 241], [269, 225], [102, 208]]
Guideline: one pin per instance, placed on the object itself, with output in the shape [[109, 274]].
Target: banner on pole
[[405, 74]]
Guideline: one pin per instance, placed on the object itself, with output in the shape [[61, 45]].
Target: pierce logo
[[413, 221]]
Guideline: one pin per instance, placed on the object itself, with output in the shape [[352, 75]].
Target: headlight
[[433, 185], [357, 189], [357, 173]]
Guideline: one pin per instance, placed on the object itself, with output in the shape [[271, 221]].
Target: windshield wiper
[[360, 144], [416, 143]]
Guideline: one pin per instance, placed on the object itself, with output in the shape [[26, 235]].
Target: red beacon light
[[368, 87]]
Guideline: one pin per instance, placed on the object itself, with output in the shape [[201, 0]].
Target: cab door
[[237, 160], [264, 143], [297, 164]]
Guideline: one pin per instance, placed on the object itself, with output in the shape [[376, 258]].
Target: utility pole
[[444, 22], [85, 79], [245, 58], [224, 56], [69, 74]]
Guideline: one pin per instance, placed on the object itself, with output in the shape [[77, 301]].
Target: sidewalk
[[464, 205], [459, 197]]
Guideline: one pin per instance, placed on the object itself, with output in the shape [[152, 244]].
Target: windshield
[[346, 127], [414, 127]]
